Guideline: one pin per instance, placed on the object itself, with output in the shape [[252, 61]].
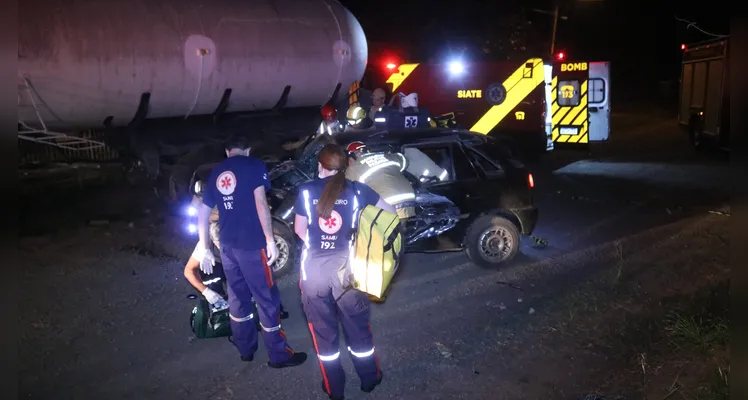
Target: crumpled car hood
[[434, 214]]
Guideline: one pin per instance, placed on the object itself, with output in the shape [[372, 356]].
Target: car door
[[490, 184], [460, 181]]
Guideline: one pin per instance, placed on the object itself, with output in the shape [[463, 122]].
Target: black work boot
[[324, 389], [248, 358], [370, 387], [295, 360]]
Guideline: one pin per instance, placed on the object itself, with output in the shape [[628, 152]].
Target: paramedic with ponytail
[[326, 210]]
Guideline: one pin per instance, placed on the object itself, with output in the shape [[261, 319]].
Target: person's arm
[[371, 197], [301, 221], [299, 226], [263, 212], [203, 225], [385, 206], [203, 216], [261, 201], [192, 273]]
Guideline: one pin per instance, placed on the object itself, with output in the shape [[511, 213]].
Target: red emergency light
[[391, 65], [683, 46], [560, 56], [530, 181]]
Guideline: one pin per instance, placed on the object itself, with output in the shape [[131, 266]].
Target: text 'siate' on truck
[[704, 111], [534, 105], [165, 78]]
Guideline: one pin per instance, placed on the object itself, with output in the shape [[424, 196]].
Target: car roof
[[403, 136]]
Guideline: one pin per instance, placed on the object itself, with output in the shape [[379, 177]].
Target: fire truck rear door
[[598, 98], [569, 102]]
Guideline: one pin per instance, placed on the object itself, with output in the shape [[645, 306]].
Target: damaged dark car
[[482, 204]]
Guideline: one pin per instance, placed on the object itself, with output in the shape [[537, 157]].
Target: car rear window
[[483, 162], [496, 152]]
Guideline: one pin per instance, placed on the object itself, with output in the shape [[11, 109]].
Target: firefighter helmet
[[329, 113], [355, 147], [355, 115]]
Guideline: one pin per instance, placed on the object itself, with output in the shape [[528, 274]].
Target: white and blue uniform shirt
[[332, 235]]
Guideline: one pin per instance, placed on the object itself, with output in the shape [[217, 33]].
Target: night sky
[[641, 38]]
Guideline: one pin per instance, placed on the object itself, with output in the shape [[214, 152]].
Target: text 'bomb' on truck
[[164, 78], [534, 105], [704, 111]]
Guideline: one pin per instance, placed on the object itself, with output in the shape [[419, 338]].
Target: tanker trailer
[[166, 78]]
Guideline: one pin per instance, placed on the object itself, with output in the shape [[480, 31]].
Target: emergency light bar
[[456, 67]]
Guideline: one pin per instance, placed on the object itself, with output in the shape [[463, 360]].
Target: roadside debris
[[539, 242], [443, 350], [511, 285]]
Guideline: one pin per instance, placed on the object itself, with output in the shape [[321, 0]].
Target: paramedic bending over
[[326, 209]]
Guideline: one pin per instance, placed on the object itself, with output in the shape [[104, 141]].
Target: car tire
[[492, 240], [287, 254]]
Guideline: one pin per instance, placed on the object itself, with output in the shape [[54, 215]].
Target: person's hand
[[272, 252], [211, 296], [207, 261]]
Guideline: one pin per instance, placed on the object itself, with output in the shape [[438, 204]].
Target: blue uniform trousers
[[249, 277], [325, 303]]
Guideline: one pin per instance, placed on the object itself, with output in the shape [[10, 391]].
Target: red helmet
[[355, 146], [329, 113]]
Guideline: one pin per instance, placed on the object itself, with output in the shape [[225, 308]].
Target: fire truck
[[704, 111], [534, 106]]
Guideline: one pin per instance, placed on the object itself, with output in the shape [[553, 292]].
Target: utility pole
[[556, 17], [555, 24]]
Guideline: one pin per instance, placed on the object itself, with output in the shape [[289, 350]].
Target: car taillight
[[530, 181]]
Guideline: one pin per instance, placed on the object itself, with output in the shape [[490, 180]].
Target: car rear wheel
[[492, 240], [285, 242]]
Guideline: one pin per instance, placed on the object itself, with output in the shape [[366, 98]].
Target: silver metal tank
[[89, 59]]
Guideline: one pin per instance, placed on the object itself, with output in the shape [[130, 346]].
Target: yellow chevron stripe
[[518, 86], [397, 78], [582, 136], [569, 116], [581, 118], [561, 112], [577, 110]]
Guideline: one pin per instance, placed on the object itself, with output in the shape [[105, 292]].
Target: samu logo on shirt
[[226, 183], [331, 225]]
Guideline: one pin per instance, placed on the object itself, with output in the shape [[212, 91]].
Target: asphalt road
[[437, 331]]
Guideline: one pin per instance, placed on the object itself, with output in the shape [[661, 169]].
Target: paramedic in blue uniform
[[237, 186], [326, 209]]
